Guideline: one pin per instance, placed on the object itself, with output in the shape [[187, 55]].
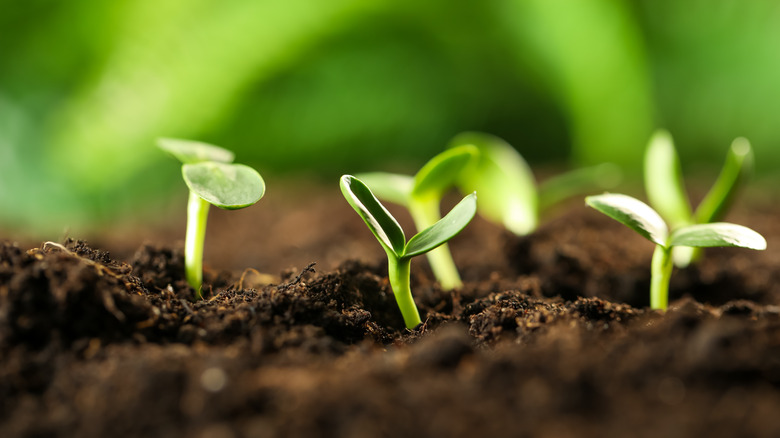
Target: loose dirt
[[549, 337]]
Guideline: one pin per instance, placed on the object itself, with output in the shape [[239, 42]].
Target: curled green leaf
[[381, 223]]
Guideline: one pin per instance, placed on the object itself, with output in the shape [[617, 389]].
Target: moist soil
[[299, 334]]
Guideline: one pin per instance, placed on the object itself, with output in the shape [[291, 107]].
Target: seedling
[[666, 191], [508, 192], [212, 178], [391, 236], [641, 218], [421, 195]]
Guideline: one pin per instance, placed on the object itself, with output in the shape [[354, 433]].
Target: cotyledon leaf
[[717, 234], [374, 214], [226, 185], [387, 186], [663, 181], [504, 181], [189, 152], [633, 213], [443, 230], [737, 167], [441, 172]]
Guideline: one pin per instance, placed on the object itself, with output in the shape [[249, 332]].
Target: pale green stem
[[398, 273], [425, 214], [197, 214], [660, 274]]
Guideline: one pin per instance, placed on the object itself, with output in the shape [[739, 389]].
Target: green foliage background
[[329, 87]]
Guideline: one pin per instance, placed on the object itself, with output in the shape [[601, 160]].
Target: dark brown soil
[[549, 337]]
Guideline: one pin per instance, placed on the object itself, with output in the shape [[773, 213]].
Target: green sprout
[[508, 192], [212, 178], [641, 218], [421, 195], [666, 191], [391, 236]]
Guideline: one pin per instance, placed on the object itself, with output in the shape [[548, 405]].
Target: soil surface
[[299, 335]]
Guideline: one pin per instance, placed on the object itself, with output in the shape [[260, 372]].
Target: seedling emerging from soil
[[508, 192], [212, 178], [666, 191], [641, 218], [393, 241], [421, 195]]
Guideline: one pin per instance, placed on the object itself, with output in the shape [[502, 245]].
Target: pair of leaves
[[422, 194], [641, 218], [209, 172], [666, 191], [488, 165], [504, 181], [509, 194], [430, 182], [389, 233]]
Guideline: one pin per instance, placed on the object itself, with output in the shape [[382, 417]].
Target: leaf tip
[[662, 137], [741, 147]]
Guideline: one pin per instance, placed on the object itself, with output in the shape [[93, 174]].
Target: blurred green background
[[330, 87]]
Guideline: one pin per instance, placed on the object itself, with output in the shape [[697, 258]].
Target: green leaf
[[374, 214], [391, 187], [443, 230], [632, 213], [578, 181], [736, 169], [504, 181], [441, 172], [663, 181], [717, 234], [189, 152], [226, 185]]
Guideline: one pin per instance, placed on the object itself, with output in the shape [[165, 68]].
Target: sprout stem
[[426, 213], [197, 214], [660, 274], [399, 275]]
